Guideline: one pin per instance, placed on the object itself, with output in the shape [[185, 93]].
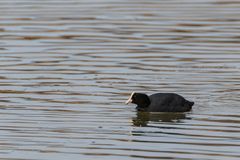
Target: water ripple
[[68, 66]]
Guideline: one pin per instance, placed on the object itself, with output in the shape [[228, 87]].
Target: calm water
[[67, 67]]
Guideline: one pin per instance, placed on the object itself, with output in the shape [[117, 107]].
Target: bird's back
[[169, 102]]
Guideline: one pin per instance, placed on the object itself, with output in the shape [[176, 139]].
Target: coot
[[160, 102]]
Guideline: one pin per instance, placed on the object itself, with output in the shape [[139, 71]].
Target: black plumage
[[160, 102]]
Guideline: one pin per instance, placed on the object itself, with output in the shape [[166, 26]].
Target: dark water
[[67, 67]]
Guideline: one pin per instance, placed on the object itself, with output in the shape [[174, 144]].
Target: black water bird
[[160, 102]]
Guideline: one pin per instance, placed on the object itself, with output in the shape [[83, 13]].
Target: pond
[[67, 67]]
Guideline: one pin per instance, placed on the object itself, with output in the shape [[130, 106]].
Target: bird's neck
[[143, 106], [138, 108]]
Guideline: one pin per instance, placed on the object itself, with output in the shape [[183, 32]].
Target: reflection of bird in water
[[143, 118]]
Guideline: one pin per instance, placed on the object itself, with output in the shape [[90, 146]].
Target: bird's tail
[[189, 105]]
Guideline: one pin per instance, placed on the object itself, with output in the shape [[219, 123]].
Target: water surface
[[67, 67]]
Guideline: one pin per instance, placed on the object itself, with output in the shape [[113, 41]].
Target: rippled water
[[67, 67]]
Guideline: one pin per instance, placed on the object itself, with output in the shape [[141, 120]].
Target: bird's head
[[140, 99]]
